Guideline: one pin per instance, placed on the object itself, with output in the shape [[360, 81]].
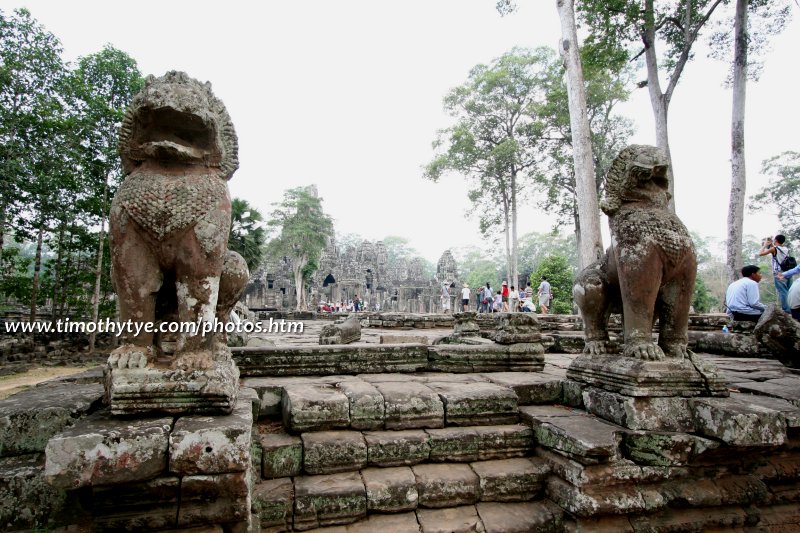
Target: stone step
[[307, 502], [381, 358], [403, 401], [279, 454]]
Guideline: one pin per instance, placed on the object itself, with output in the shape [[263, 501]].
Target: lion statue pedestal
[[647, 273], [171, 267]]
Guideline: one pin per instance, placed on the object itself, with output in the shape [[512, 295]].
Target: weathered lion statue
[[170, 220], [648, 271]]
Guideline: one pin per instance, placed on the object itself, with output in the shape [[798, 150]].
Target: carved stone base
[[636, 377], [173, 391]]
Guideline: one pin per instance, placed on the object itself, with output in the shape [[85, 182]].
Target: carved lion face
[[177, 119], [638, 174]]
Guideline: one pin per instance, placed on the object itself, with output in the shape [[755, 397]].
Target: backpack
[[788, 262]]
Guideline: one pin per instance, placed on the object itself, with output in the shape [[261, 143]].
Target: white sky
[[348, 95]]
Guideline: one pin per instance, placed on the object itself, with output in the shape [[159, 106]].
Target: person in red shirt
[[504, 294]]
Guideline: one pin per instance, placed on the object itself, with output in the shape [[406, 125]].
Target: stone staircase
[[401, 452]]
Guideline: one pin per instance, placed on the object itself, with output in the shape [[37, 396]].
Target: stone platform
[[419, 451]]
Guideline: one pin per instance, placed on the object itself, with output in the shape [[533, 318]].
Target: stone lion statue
[[648, 271], [170, 220]]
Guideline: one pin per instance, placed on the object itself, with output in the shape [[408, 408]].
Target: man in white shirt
[[743, 297], [465, 293], [544, 295]]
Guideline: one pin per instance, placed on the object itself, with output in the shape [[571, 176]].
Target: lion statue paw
[[647, 351], [189, 361], [131, 356]]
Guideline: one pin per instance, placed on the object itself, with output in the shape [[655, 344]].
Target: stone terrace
[[405, 449]]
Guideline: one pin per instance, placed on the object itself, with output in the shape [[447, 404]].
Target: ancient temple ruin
[[364, 270]]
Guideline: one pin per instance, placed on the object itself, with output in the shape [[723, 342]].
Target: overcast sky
[[348, 96]]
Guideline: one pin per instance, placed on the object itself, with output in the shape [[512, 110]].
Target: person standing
[[504, 295], [488, 298], [465, 297], [513, 300], [743, 298], [793, 296], [544, 295], [778, 250], [445, 299]]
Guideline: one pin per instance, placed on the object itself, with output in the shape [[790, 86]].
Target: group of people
[[354, 305], [743, 298], [508, 298]]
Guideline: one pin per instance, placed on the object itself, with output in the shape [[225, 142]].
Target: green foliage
[[782, 194], [560, 275], [247, 236], [478, 266], [300, 231], [535, 247], [703, 300]]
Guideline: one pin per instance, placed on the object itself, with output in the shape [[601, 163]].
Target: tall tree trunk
[[297, 270], [37, 267], [738, 173], [57, 273], [2, 236], [591, 242], [507, 234], [514, 242], [98, 272]]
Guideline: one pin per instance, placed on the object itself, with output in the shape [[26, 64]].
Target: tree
[[247, 234], [102, 87], [782, 194], [776, 12], [560, 275], [623, 30], [496, 139], [703, 300], [590, 243], [301, 230]]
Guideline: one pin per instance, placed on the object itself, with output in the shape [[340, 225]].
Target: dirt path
[[16, 382]]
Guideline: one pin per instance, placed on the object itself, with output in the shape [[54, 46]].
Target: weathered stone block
[[454, 444], [212, 445], [446, 485], [390, 489], [175, 391], [273, 502], [328, 500], [147, 506], [739, 424], [454, 520], [328, 452], [515, 328], [542, 517], [29, 418], [654, 414], [504, 442], [393, 523], [632, 376], [345, 333], [397, 448], [251, 395], [314, 407], [27, 501], [530, 387], [366, 404], [790, 411], [574, 433], [101, 450], [665, 449], [510, 480], [411, 405], [214, 499], [474, 404], [281, 455]]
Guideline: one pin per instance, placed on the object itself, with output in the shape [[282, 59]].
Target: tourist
[[793, 296], [465, 297], [488, 299], [743, 297], [778, 250], [544, 295], [356, 304], [528, 291], [497, 307], [513, 300], [505, 296], [445, 299]]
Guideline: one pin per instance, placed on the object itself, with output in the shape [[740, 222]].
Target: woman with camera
[[779, 251]]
